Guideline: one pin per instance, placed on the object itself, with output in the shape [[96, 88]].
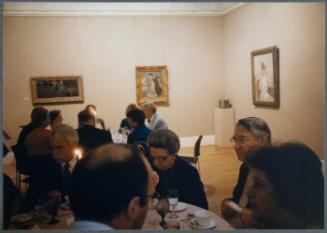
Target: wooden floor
[[219, 171]]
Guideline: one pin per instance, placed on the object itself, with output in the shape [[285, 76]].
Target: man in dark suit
[[64, 142], [173, 171], [89, 136], [55, 170]]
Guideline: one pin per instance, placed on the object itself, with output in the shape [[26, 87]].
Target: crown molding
[[119, 9]]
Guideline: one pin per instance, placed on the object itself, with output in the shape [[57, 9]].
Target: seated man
[[89, 136], [153, 119], [64, 142], [136, 120], [250, 133], [173, 171], [110, 189]]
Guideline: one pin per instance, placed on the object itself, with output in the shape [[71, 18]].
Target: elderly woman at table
[[173, 171], [286, 188], [250, 133]]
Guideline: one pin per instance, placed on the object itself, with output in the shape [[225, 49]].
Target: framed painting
[[57, 89], [152, 85], [265, 77]]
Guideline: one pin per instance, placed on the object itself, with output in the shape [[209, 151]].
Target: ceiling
[[119, 8]]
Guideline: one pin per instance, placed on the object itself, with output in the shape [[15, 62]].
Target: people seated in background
[[153, 119], [29, 127], [110, 189], [55, 118], [173, 171], [38, 140], [99, 122], [250, 133], [89, 136], [64, 142], [124, 123], [286, 187], [136, 119]]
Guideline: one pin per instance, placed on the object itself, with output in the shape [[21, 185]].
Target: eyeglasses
[[240, 140]]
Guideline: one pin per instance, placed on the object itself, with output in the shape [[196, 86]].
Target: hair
[[90, 106], [104, 182], [294, 171], [256, 126], [150, 106], [53, 114], [130, 107], [164, 139], [85, 116], [137, 116], [67, 132], [38, 116]]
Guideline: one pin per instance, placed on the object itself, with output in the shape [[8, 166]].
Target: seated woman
[[250, 133], [136, 119], [124, 123], [55, 118], [38, 157], [286, 187]]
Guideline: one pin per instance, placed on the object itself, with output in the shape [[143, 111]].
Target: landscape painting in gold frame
[[57, 89], [152, 85]]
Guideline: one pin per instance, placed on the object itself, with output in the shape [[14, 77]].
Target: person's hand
[[226, 210], [244, 219]]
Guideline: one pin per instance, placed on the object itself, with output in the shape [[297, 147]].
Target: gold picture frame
[[57, 89], [265, 77], [152, 85]]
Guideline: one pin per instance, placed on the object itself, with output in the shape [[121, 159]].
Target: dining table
[[185, 220]]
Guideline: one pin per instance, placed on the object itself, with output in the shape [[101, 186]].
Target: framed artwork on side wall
[[152, 85], [57, 89], [265, 77]]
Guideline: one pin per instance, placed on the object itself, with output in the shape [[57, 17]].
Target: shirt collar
[[71, 163]]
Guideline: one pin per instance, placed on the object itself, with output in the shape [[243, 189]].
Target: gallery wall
[[297, 29], [207, 58], [105, 50]]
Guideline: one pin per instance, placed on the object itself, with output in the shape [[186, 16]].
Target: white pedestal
[[224, 125]]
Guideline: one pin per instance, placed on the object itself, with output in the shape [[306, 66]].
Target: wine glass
[[53, 206], [173, 201], [162, 209]]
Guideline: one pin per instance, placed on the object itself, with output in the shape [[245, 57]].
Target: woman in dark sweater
[[250, 133]]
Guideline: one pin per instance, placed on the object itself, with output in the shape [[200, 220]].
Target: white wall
[[298, 31], [105, 50]]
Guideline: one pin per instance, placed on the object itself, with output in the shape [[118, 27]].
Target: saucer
[[21, 218], [212, 224], [180, 207]]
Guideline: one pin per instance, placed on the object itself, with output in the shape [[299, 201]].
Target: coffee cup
[[202, 217]]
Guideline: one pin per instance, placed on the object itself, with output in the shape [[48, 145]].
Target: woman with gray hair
[[250, 133], [173, 171]]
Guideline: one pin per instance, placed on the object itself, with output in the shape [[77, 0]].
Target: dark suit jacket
[[91, 137], [239, 188], [185, 178]]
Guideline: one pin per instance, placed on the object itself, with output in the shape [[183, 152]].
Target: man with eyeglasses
[[173, 171], [250, 133]]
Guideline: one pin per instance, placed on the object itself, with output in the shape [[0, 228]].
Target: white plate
[[21, 218], [180, 207], [212, 224]]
